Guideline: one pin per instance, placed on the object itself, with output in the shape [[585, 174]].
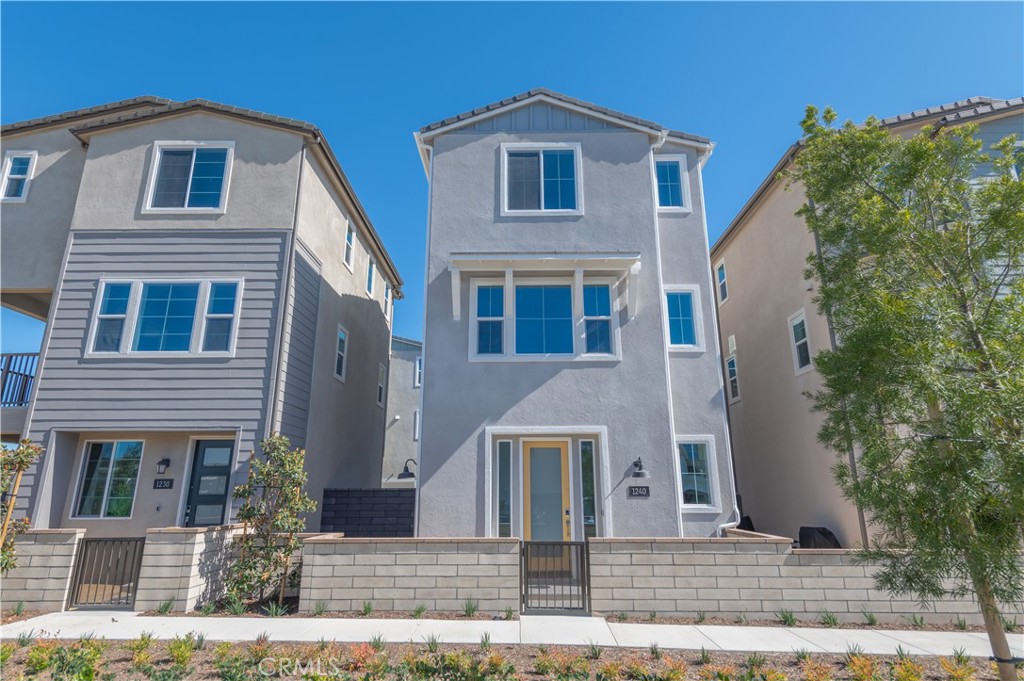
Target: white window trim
[[684, 182], [417, 372], [793, 319], [579, 333], [76, 499], [371, 277], [506, 147], [29, 174], [416, 425], [1013, 168], [728, 386], [347, 257], [387, 301], [382, 385], [718, 284], [716, 504], [698, 319], [344, 362], [158, 147], [132, 318]]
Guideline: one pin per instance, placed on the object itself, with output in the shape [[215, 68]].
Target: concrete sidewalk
[[118, 624]]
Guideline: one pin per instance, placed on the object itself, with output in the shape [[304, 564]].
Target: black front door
[[208, 490]]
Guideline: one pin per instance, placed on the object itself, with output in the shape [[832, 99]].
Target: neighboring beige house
[[770, 329]]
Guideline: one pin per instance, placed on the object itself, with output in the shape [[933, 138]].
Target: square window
[[18, 169], [543, 320], [166, 317], [190, 177], [538, 179]]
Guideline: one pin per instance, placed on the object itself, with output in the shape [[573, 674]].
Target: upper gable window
[[670, 174], [18, 169], [541, 179], [190, 177]]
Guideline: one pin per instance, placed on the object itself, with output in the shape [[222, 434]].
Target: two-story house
[[402, 432], [771, 330], [208, 277], [571, 365]]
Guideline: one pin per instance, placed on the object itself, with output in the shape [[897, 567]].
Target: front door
[[208, 490], [546, 511]]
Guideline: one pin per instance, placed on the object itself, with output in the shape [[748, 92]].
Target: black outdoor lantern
[[638, 469], [407, 474], [162, 465]]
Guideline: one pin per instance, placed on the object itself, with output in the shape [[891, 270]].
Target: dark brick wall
[[369, 512]]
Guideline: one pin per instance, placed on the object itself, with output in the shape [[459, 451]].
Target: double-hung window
[[110, 471], [723, 287], [733, 378], [541, 178], [371, 270], [490, 320], [670, 175], [543, 320], [341, 352], [350, 246], [682, 306], [597, 318], [382, 379], [18, 169], [173, 317], [801, 344], [695, 468], [190, 177]]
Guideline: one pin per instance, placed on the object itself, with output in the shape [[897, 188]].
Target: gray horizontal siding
[[539, 117], [164, 393], [298, 350]]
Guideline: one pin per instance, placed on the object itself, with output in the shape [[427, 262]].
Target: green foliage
[[207, 608], [38, 657], [470, 607], [1009, 624], [655, 650], [6, 653], [377, 643], [165, 606], [319, 609], [272, 509], [13, 462], [919, 271], [419, 611], [915, 621], [367, 608], [19, 609], [485, 641], [174, 673], [705, 656], [275, 609], [181, 649], [870, 618], [961, 623], [741, 618], [802, 654], [25, 638], [652, 615], [829, 619], [593, 651], [509, 613], [786, 617], [622, 617], [755, 661], [701, 616], [433, 643], [235, 606], [233, 668]]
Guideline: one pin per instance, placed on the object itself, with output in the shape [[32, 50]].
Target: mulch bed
[[9, 616], [117, 660], [808, 624]]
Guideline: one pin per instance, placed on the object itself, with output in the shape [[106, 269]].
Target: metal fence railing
[[106, 572], [17, 374], [555, 576]]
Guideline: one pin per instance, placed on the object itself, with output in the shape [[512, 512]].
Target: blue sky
[[370, 74]]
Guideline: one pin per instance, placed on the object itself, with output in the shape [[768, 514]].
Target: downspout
[[833, 345]]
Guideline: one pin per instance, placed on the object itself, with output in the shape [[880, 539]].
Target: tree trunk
[[995, 630]]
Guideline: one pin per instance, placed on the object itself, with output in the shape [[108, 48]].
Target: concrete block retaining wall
[[186, 565], [400, 574], [754, 575], [46, 559]]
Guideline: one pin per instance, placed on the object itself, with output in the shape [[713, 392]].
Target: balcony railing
[[19, 373]]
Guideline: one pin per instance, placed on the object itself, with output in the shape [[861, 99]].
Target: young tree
[[921, 271], [13, 464], [272, 514]]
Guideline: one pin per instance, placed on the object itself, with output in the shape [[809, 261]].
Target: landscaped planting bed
[[190, 657]]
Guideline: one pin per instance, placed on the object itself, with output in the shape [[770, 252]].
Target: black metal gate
[[555, 577], [106, 573]]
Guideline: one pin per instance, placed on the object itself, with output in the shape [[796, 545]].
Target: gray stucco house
[[402, 432], [572, 383], [207, 276]]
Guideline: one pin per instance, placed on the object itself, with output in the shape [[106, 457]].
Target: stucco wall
[[42, 577], [400, 444], [401, 574], [629, 396]]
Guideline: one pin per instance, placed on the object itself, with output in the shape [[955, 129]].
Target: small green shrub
[[38, 658], [6, 653], [593, 651], [786, 617], [654, 650], [378, 643], [367, 608], [275, 609], [181, 648], [235, 606], [165, 607], [829, 619], [509, 613], [652, 615], [961, 624], [319, 609], [208, 608], [622, 617], [485, 641], [1009, 624], [433, 643], [756, 661], [418, 611], [26, 637], [705, 656], [469, 607], [701, 616], [870, 618], [802, 654], [915, 621], [741, 618], [19, 609]]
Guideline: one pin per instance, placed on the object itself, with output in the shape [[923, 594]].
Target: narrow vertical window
[[559, 180], [350, 246], [341, 352], [524, 180], [670, 186], [417, 373], [490, 320], [504, 480], [589, 488], [693, 463], [111, 317], [220, 317], [387, 300], [416, 426], [370, 271], [801, 344], [733, 378], [18, 169], [682, 327], [381, 383], [597, 318], [723, 288]]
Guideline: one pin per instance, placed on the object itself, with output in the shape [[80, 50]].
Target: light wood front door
[[546, 509]]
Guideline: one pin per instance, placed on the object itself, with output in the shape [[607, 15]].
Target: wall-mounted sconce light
[[162, 465], [407, 474], [638, 469]]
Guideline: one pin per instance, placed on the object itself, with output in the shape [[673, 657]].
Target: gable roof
[[952, 113], [131, 112], [557, 98]]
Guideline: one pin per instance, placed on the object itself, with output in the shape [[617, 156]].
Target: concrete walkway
[[529, 630]]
